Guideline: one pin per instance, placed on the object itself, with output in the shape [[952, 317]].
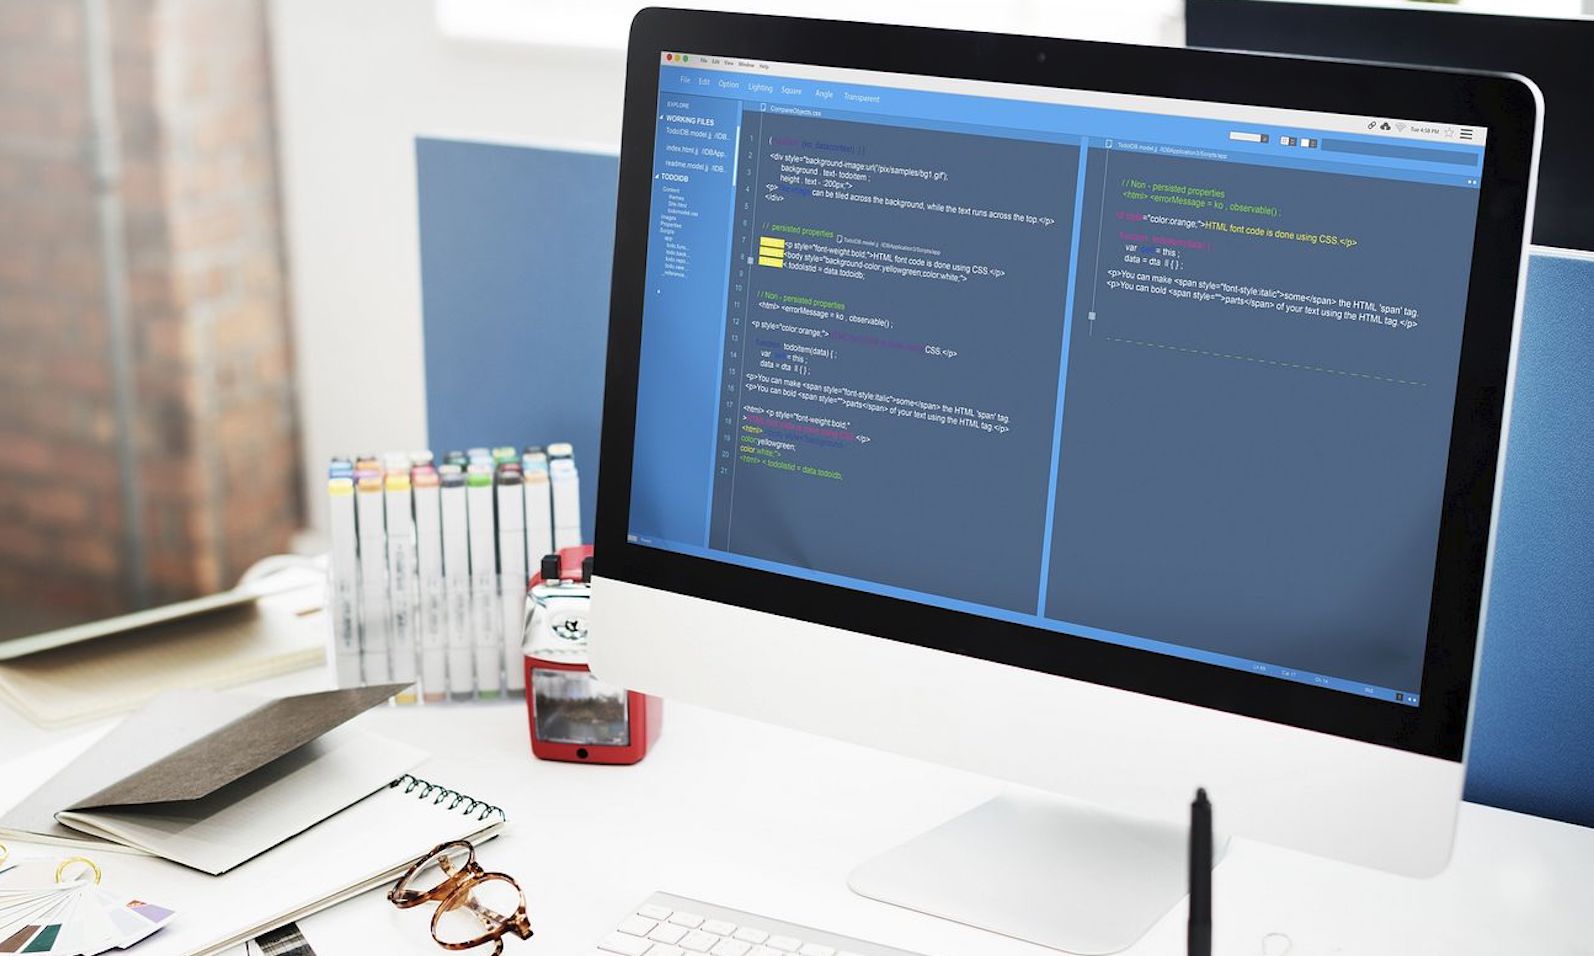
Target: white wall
[[605, 23], [356, 81]]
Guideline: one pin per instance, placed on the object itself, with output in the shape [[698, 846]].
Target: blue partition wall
[[1533, 733], [516, 246]]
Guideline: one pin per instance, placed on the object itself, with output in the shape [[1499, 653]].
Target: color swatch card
[[79, 917]]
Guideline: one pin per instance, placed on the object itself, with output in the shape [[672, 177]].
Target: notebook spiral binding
[[425, 790]]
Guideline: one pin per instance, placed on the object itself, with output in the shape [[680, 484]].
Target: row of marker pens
[[430, 561]]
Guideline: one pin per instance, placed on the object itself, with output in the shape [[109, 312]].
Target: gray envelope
[[184, 746]]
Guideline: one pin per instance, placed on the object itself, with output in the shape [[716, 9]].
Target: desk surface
[[769, 820]]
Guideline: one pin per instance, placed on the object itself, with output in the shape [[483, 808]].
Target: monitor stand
[[1059, 874]]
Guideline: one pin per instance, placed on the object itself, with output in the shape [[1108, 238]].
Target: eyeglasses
[[475, 907]]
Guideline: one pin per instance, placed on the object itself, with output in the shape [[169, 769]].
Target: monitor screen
[[1169, 374]]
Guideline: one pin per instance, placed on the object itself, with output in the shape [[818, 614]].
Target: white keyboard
[[666, 925]]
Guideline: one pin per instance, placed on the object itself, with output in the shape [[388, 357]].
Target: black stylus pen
[[1200, 930]]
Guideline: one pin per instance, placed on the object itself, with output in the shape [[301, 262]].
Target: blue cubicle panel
[[1533, 734], [516, 246], [515, 258]]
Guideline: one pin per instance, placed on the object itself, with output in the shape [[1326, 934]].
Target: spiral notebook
[[364, 846]]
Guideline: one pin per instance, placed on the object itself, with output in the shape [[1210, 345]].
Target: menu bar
[[751, 77]]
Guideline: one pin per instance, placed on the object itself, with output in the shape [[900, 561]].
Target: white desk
[[769, 820]]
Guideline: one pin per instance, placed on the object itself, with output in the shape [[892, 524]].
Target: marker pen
[[345, 582], [427, 489], [373, 578], [539, 506], [486, 610], [403, 587], [457, 579], [512, 575], [566, 496]]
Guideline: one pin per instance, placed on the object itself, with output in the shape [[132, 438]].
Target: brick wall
[[213, 437]]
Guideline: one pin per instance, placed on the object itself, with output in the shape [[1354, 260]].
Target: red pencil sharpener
[[574, 716]]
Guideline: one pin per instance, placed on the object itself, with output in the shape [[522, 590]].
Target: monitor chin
[[1139, 755]]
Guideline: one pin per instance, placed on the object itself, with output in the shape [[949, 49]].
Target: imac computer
[[1110, 420]]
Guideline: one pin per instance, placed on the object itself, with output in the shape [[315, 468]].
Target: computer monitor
[[1552, 51], [1111, 420]]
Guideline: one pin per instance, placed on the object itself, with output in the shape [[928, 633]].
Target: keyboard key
[[657, 929], [624, 945]]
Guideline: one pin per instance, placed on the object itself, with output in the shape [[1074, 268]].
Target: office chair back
[[1532, 746]]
